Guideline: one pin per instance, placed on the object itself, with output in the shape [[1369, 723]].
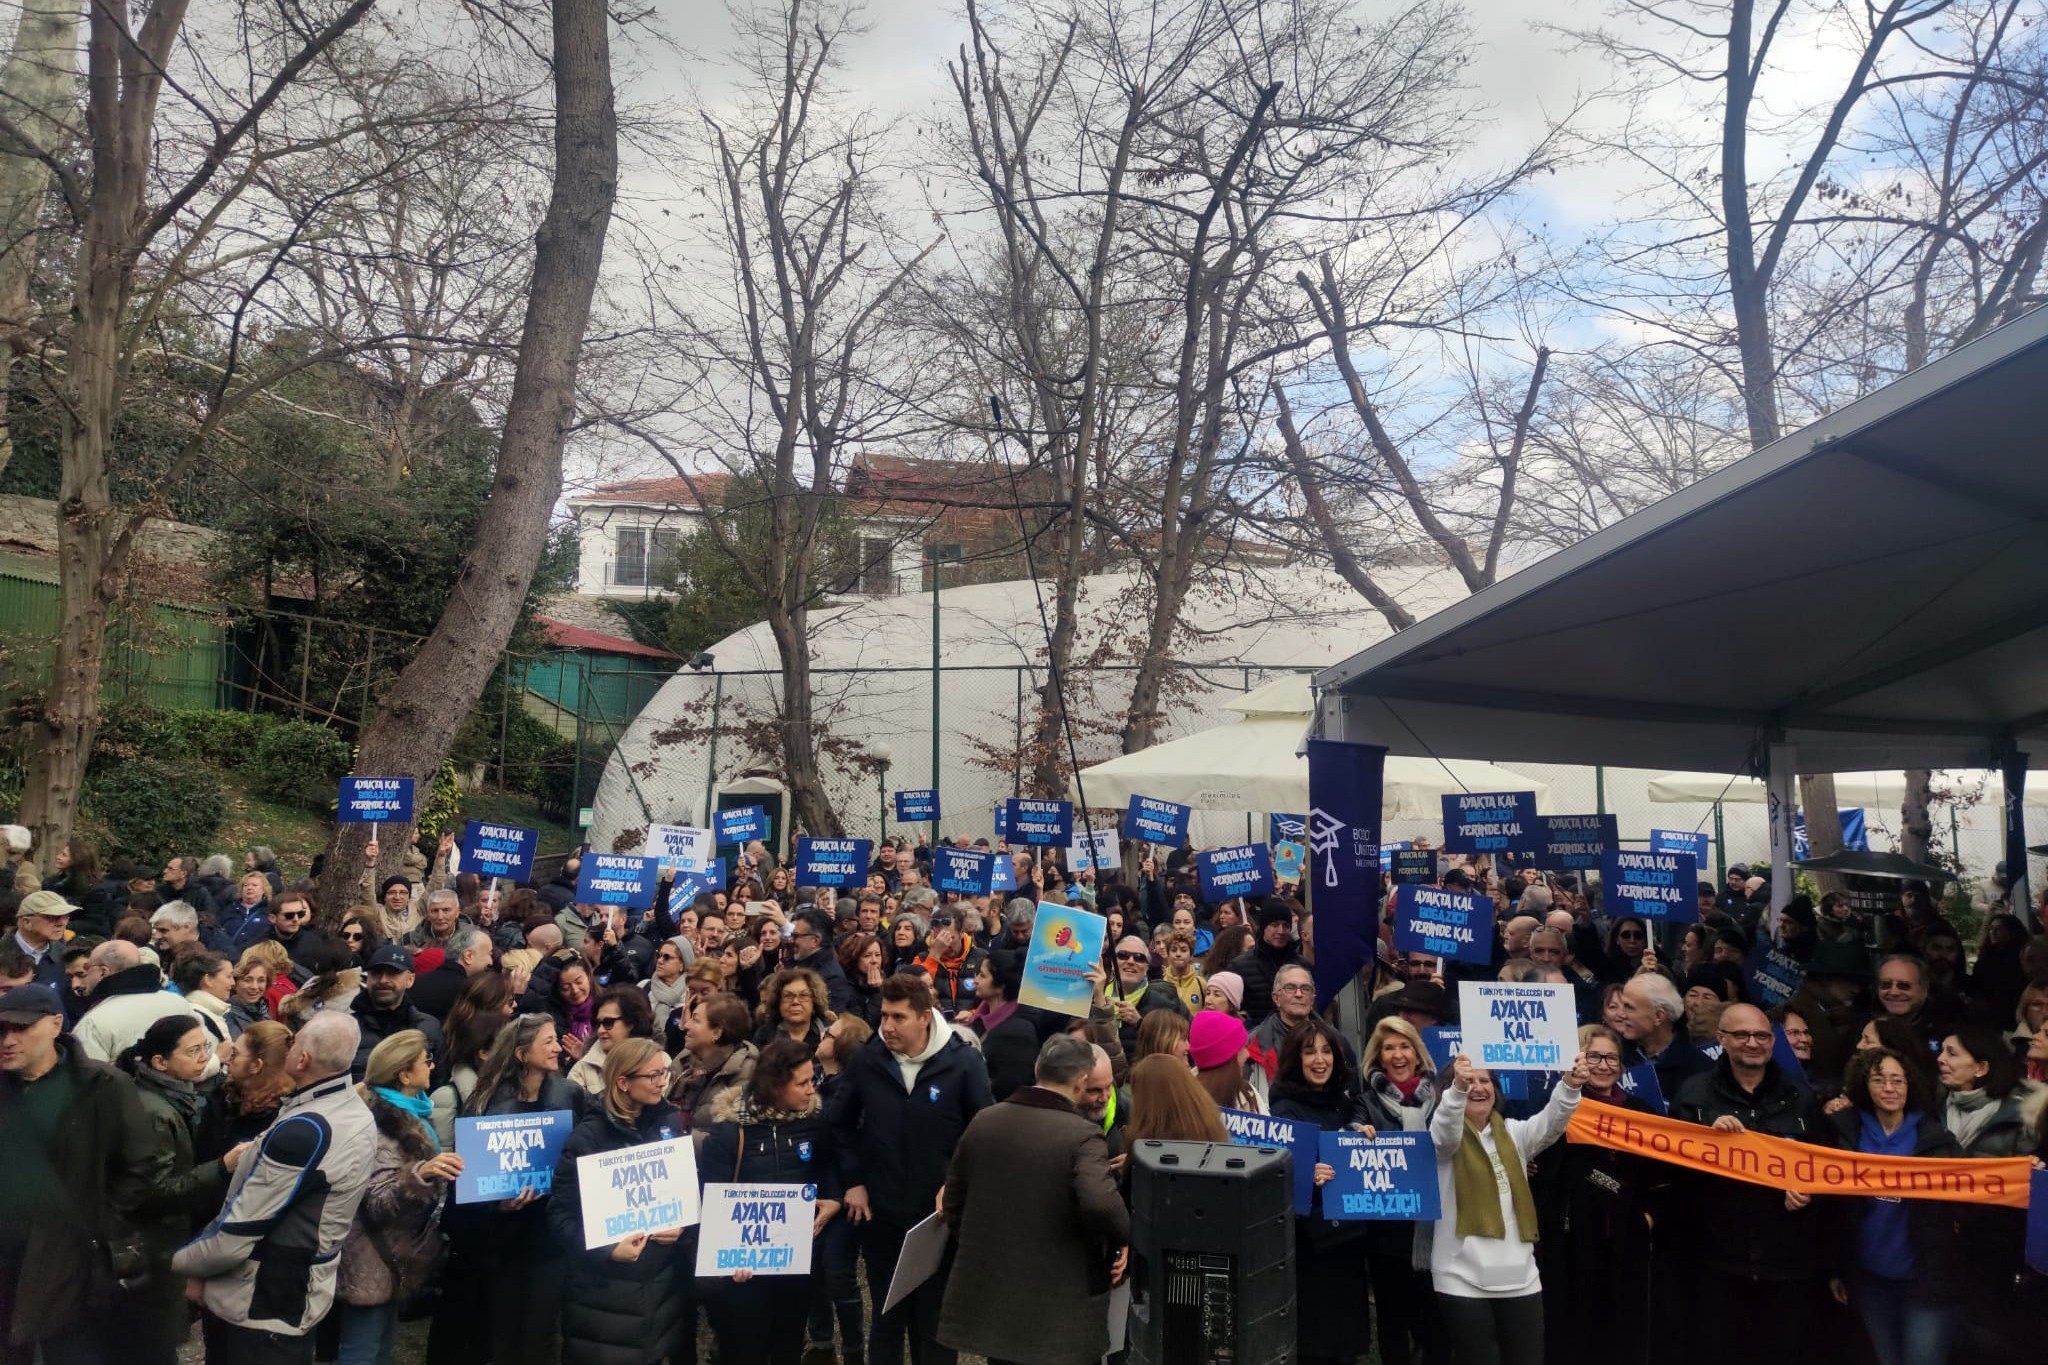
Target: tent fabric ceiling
[[1873, 588]]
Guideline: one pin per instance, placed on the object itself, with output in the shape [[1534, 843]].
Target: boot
[[819, 1355]]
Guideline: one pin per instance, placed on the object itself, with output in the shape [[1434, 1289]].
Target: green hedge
[[154, 808], [290, 761]]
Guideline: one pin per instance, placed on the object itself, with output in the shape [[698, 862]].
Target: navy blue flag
[[740, 825], [917, 807], [1487, 822], [616, 879], [491, 850], [2037, 1218], [1241, 870], [1282, 828], [375, 800], [1575, 842], [1855, 832], [965, 870], [1452, 924], [1002, 820], [833, 862], [1044, 824], [1153, 821], [1344, 787], [1641, 1081], [1653, 885], [1788, 1060]]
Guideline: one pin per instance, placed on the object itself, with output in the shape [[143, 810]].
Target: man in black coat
[[810, 934], [898, 1111], [384, 1006]]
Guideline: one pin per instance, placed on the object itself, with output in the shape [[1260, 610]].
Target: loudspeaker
[[1212, 1247]]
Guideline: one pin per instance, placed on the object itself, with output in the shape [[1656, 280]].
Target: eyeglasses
[[1896, 985], [1134, 957], [1603, 1061], [1293, 988], [1887, 1082], [660, 1075], [1746, 1036], [352, 935], [607, 1021], [292, 916], [668, 957]]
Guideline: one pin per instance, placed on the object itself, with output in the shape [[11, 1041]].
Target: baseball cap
[[46, 903], [392, 956], [27, 1004]]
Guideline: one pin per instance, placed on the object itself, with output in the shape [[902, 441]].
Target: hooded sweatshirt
[[910, 1066]]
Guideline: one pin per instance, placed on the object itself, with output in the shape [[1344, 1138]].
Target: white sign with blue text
[[762, 1229], [1519, 1025], [680, 848], [1104, 856], [649, 1188]]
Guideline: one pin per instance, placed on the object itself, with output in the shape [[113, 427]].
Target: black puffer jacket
[[619, 1312], [747, 1147], [1258, 965], [898, 1140]]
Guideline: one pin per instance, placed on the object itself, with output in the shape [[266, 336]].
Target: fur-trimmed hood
[[731, 1106]]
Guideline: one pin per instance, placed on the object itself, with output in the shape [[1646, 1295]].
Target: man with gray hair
[[127, 996], [468, 952], [288, 1210], [176, 926], [444, 912], [1033, 1207], [1653, 1024]]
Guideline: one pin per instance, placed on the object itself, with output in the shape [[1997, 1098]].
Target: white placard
[[679, 847], [1104, 856], [762, 1228], [649, 1188], [1519, 1025], [924, 1250]]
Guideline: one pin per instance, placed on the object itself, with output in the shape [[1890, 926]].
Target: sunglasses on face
[[1133, 957], [609, 1021], [352, 935]]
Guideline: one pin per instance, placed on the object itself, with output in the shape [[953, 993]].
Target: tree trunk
[[1823, 824], [1048, 741], [814, 812], [37, 99], [420, 715], [1916, 821]]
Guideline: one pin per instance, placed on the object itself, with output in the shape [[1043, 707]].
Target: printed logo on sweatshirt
[[933, 1094]]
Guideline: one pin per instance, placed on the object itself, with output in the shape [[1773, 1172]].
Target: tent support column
[[1782, 762], [2013, 768]]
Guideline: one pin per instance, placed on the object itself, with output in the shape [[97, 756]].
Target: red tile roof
[[565, 636]]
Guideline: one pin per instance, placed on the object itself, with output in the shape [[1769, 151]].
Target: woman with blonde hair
[[1398, 1095], [258, 971], [794, 1005]]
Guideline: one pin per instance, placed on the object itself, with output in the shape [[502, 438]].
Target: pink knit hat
[[1214, 1038], [1232, 986]]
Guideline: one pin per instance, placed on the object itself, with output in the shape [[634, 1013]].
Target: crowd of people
[[222, 1101]]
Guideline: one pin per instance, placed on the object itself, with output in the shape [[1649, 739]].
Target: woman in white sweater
[[1483, 1257]]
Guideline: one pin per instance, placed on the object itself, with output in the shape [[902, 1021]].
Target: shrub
[[153, 809], [531, 747], [297, 762], [226, 738], [135, 728]]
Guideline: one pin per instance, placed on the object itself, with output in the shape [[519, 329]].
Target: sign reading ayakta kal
[[1772, 974], [687, 886], [498, 850], [1102, 856], [504, 1155], [1680, 841], [375, 801], [1491, 822], [964, 870], [1653, 885], [1244, 870], [650, 1188], [741, 825], [681, 848], [1153, 821], [1247, 1129], [920, 805], [1041, 824], [761, 1229], [833, 862], [616, 879], [1391, 1176], [1575, 842], [1414, 865], [1519, 1025], [1002, 873], [1453, 924]]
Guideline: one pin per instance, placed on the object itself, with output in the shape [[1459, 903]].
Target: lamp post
[[882, 756]]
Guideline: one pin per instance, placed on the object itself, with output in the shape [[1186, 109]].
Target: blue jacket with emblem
[[750, 1146]]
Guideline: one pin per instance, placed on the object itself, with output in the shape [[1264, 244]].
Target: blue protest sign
[[1392, 1176], [1452, 924], [2037, 1223], [1302, 1141], [374, 801], [1641, 1081], [1855, 832], [964, 870], [1153, 821], [1002, 820], [1282, 827], [1343, 835], [1241, 870], [505, 1154], [833, 862], [1788, 1060], [1414, 865], [741, 825], [1288, 859], [1575, 842], [917, 807], [1002, 873], [616, 879], [1654, 885], [498, 850], [1041, 824], [687, 886], [1444, 1044], [1694, 846], [1491, 822], [1771, 974]]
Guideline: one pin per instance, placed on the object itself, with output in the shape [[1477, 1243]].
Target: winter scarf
[[419, 1106], [1969, 1113], [1478, 1191], [666, 999]]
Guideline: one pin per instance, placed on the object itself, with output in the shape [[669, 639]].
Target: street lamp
[[881, 756]]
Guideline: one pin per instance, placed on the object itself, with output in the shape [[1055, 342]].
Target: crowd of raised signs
[[1566, 1102]]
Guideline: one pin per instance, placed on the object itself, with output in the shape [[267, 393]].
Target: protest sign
[[616, 879], [1771, 974], [1392, 1176], [1412, 865], [1452, 924], [1002, 820], [1288, 859], [917, 807], [1041, 824], [765, 1229], [1153, 821], [1066, 940], [833, 862], [1855, 832], [1282, 828], [1641, 1081], [1105, 856], [1662, 886], [505, 1154], [1300, 1140], [374, 801], [1002, 873], [1444, 1045], [2037, 1225], [1491, 822], [741, 825], [498, 850], [1575, 842], [1519, 1025], [680, 848], [1242, 870], [1684, 841], [648, 1188], [924, 1251], [964, 870], [687, 886]]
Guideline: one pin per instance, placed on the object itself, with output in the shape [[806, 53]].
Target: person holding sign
[[1483, 1257], [1398, 1093], [772, 1133], [635, 1299], [1332, 1320]]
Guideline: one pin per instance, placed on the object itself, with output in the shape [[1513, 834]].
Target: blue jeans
[[1904, 1327], [368, 1335]]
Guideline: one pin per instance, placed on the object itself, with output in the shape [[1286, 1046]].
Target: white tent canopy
[[1871, 791]]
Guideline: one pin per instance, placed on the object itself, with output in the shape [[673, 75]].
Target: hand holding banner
[[1391, 1176], [504, 1155], [1066, 940], [761, 1229], [1519, 1025], [648, 1188]]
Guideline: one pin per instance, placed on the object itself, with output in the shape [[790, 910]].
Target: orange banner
[[1786, 1165]]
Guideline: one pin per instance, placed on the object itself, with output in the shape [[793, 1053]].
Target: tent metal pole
[[1720, 847], [1782, 767]]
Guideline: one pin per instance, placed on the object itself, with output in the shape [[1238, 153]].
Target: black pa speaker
[[1212, 1246]]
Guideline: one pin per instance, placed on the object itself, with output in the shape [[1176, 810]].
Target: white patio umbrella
[[1250, 765], [1871, 791]]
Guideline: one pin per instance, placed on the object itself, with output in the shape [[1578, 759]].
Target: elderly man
[[469, 952], [174, 926], [127, 996], [1133, 993], [1294, 1003], [1652, 1023], [39, 928], [265, 1268], [444, 912]]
